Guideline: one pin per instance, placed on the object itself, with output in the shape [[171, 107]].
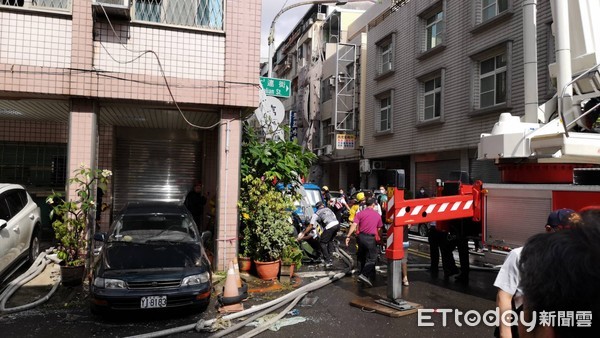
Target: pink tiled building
[[154, 90]]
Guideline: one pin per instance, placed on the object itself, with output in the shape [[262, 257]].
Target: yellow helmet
[[325, 188], [360, 196]]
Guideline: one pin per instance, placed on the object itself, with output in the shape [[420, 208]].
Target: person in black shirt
[[195, 202]]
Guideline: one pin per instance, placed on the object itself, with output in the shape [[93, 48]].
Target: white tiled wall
[[190, 55], [35, 40]]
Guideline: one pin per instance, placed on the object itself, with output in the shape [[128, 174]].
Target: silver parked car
[[20, 226]]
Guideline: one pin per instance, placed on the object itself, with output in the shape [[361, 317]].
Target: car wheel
[[34, 245], [423, 230]]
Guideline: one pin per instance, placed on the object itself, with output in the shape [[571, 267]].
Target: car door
[[21, 218], [9, 237]]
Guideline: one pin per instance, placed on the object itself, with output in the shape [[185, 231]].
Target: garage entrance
[[155, 164]]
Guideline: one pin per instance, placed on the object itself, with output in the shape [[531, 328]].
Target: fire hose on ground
[[294, 297], [36, 268]]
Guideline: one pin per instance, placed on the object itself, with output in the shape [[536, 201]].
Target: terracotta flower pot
[[245, 263], [267, 270]]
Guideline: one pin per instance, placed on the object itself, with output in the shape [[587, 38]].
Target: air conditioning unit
[[364, 166], [114, 9], [321, 16], [327, 149], [377, 165], [319, 152]]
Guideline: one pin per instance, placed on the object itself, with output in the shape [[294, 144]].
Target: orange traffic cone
[[230, 300], [236, 266]]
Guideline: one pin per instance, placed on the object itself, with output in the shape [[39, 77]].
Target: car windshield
[[153, 228], [313, 196]]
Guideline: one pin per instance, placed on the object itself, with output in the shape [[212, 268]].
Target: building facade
[[322, 110], [153, 90], [429, 78], [439, 74]]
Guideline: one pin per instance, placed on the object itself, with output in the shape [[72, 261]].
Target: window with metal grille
[[38, 4], [492, 81], [37, 164], [191, 13], [491, 8]]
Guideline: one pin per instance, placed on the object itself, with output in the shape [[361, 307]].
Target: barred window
[[191, 13], [38, 4]]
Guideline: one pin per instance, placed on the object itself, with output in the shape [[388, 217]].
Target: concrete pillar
[[228, 187], [83, 136]]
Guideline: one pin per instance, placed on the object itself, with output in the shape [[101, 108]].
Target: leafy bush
[[266, 219], [73, 216]]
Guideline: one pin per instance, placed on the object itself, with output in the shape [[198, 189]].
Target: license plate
[[152, 302]]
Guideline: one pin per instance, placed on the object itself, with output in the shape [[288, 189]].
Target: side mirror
[[100, 236], [3, 224]]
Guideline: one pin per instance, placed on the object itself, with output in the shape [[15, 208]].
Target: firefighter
[[330, 227]]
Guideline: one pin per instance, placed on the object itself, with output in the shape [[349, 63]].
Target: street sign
[[276, 87]]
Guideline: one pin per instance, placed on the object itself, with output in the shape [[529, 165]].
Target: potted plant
[[72, 219], [247, 247], [267, 228], [291, 258], [265, 210]]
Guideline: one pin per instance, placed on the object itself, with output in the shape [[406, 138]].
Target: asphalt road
[[67, 313]]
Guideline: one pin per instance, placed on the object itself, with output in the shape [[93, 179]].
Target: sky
[[284, 24]]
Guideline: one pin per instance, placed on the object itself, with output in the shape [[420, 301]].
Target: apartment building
[[154, 90], [439, 73], [322, 110]]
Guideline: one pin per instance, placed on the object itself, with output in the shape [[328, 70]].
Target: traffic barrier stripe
[[431, 208]]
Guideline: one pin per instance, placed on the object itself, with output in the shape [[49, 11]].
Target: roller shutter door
[[486, 171], [154, 169], [427, 172]]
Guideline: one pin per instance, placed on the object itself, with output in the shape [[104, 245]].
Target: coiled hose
[[36, 268]]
